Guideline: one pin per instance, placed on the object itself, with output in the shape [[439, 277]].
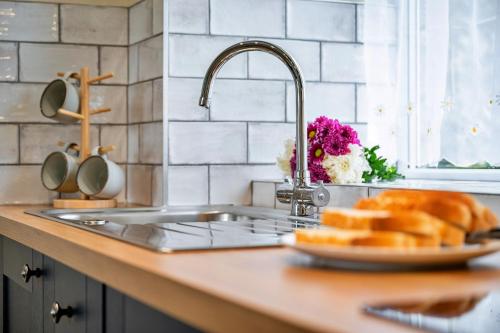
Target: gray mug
[[59, 170], [60, 94]]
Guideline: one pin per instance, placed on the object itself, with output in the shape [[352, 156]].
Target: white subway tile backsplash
[[158, 16], [140, 21], [151, 143], [22, 184], [9, 150], [158, 99], [133, 143], [266, 66], [321, 21], [94, 25], [248, 100], [188, 16], [139, 181], [265, 141], [20, 102], [190, 56], [324, 99], [346, 196], [114, 97], [133, 63], [115, 60], [38, 141], [207, 142], [41, 62], [263, 194], [342, 62], [231, 184], [182, 102], [150, 58], [263, 18], [29, 22], [187, 185], [115, 135], [8, 62], [140, 102]]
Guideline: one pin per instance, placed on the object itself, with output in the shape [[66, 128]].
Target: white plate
[[384, 256]]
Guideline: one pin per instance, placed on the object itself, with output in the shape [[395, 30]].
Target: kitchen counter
[[249, 290]]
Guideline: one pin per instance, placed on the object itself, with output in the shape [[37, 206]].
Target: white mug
[[60, 94], [100, 178], [59, 170]]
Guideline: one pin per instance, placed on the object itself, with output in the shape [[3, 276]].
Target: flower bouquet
[[335, 155]]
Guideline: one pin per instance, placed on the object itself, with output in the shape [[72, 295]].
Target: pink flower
[[316, 153]]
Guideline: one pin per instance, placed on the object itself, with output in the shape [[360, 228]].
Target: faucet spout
[[302, 178]]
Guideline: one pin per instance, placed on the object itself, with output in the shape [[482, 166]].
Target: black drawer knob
[[57, 312], [27, 273]]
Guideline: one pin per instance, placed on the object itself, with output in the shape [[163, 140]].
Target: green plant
[[380, 169]]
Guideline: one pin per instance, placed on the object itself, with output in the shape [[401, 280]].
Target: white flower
[[348, 168], [283, 161]]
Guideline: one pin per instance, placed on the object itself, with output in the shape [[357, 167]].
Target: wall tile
[[324, 99], [187, 185], [38, 141], [140, 21], [342, 62], [188, 16], [115, 60], [41, 62], [151, 143], [202, 142], [133, 143], [151, 58], [8, 61], [94, 25], [263, 194], [139, 180], [115, 135], [346, 196], [9, 149], [263, 18], [140, 102], [191, 55], [157, 190], [133, 63], [22, 184], [232, 184], [29, 22], [20, 102], [265, 141], [266, 66], [158, 16], [114, 97], [183, 95], [321, 20], [158, 99], [248, 100]]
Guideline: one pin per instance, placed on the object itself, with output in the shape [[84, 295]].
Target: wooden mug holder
[[84, 146]]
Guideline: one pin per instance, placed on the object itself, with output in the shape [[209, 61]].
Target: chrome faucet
[[303, 195]]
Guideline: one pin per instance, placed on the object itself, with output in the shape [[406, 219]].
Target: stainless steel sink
[[170, 229]]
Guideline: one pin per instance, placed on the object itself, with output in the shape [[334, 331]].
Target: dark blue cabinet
[[83, 304]]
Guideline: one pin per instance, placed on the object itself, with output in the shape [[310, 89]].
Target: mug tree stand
[[84, 148]]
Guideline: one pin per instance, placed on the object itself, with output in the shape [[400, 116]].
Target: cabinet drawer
[[15, 256]]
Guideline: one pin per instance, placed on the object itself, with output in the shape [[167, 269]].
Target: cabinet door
[[126, 315], [80, 300], [21, 297]]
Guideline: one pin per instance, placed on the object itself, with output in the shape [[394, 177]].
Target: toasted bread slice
[[351, 218], [342, 237], [450, 211]]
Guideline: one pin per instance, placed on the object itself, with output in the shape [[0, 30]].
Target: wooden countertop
[[254, 290]]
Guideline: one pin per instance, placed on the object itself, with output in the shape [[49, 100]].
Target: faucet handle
[[284, 191], [320, 195]]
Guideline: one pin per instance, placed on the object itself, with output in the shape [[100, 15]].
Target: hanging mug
[[99, 177], [60, 168], [60, 94]]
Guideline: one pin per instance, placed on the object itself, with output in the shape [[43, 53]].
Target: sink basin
[[169, 229]]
